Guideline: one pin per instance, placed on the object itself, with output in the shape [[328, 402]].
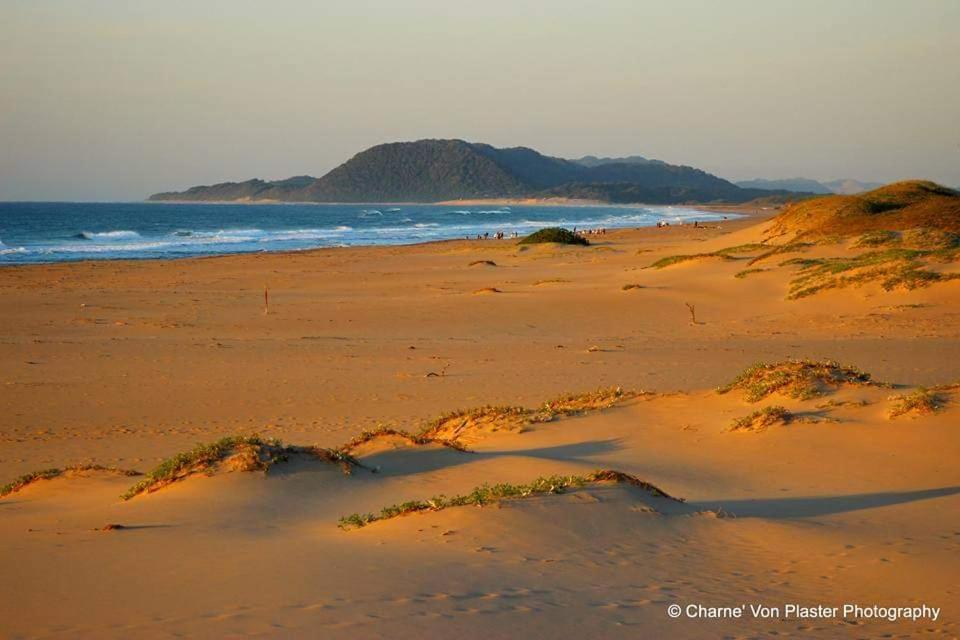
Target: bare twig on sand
[[443, 372], [693, 313]]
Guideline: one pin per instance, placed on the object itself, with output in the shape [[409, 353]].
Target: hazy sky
[[118, 99]]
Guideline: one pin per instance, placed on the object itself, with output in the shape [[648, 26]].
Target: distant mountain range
[[594, 161], [439, 170], [806, 185], [850, 187]]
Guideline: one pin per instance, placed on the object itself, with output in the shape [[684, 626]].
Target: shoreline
[[748, 216]]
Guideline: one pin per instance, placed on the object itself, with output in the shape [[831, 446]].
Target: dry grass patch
[[761, 419], [921, 401], [800, 379], [492, 494], [48, 474]]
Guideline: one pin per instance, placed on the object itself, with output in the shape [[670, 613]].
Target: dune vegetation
[[761, 419], [235, 453], [381, 432], [893, 268], [897, 236], [490, 494], [736, 252], [253, 453], [920, 401], [555, 234], [48, 474], [798, 379], [468, 423], [913, 204]]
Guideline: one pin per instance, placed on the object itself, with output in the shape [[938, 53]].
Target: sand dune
[[850, 495]]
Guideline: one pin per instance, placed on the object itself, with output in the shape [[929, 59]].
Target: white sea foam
[[109, 235]]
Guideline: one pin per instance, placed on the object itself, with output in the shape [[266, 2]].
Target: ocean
[[32, 232]]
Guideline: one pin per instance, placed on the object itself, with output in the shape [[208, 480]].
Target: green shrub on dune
[[555, 234]]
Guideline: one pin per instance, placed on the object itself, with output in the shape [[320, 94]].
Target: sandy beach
[[123, 364]]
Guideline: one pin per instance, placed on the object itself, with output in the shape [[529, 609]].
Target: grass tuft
[[761, 419], [746, 272], [920, 401]]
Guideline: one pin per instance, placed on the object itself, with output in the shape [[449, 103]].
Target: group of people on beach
[[499, 235], [599, 231], [696, 224]]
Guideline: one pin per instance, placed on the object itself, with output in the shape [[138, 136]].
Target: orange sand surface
[[124, 364]]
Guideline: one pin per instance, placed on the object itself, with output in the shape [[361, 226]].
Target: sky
[[115, 100]]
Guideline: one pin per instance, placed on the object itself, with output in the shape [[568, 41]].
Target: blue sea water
[[64, 231]]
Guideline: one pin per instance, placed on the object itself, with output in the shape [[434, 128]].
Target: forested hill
[[436, 170]]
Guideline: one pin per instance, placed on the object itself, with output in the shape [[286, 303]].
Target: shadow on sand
[[808, 507], [413, 460]]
